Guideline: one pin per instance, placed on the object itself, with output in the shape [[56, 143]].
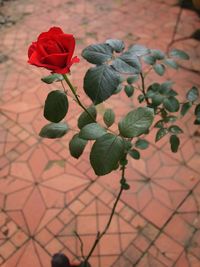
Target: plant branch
[[175, 27], [81, 244], [143, 89], [100, 235], [77, 97]]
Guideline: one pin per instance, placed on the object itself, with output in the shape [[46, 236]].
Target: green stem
[[76, 97], [100, 235]]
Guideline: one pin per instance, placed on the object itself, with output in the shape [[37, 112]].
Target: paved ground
[[45, 195]]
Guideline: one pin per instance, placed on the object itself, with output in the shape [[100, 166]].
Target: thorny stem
[[100, 235], [77, 97], [143, 88]]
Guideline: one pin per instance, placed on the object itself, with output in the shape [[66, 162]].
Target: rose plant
[[114, 69]]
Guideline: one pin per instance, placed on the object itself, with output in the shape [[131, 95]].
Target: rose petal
[[68, 43], [35, 60], [59, 60], [52, 31], [31, 49]]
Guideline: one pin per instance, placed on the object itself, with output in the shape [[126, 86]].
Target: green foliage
[[127, 63], [171, 63], [77, 146], [92, 131], [131, 79], [129, 90], [135, 154], [161, 133], [136, 122], [149, 59], [175, 129], [185, 108], [175, 142], [117, 45], [171, 104], [55, 77], [56, 106], [54, 130], [142, 144], [159, 69], [85, 119], [100, 83], [106, 153], [157, 54], [192, 94], [109, 117], [139, 50], [179, 54], [98, 53], [197, 113]]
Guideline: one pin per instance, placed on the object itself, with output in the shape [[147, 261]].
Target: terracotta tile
[[157, 213], [7, 249], [55, 226], [19, 238]]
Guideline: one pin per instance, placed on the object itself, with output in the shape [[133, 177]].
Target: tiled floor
[[45, 194]]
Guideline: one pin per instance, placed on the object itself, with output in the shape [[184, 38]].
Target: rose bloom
[[53, 50]]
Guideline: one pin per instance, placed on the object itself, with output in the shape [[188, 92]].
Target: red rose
[[53, 50]]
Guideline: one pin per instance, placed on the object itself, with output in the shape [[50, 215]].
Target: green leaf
[[92, 131], [170, 118], [171, 63], [159, 69], [136, 122], [165, 87], [161, 133], [175, 142], [175, 129], [138, 50], [159, 124], [52, 78], [54, 130], [109, 117], [149, 59], [118, 90], [100, 83], [85, 119], [142, 144], [117, 45], [197, 121], [129, 90], [106, 153], [185, 108], [132, 79], [171, 104], [141, 98], [127, 63], [134, 154], [192, 94], [197, 110], [97, 54], [77, 146], [179, 54], [158, 54], [157, 99], [56, 106]]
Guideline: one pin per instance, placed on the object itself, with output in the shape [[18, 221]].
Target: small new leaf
[[92, 131], [98, 53], [158, 54], [139, 50], [77, 146], [149, 59], [109, 117], [56, 106], [175, 142], [117, 45], [54, 130], [192, 94], [179, 54]]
